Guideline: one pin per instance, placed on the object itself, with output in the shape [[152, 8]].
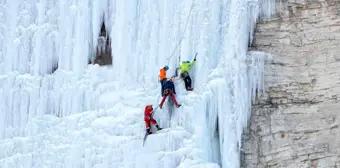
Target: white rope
[[185, 28]]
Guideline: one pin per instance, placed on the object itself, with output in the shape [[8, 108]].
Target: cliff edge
[[295, 123]]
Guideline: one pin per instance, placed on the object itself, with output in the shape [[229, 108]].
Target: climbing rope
[[185, 28], [159, 96]]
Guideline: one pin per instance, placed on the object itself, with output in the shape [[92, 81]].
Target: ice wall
[[234, 82], [38, 36]]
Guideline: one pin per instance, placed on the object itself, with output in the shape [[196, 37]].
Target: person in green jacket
[[185, 67]]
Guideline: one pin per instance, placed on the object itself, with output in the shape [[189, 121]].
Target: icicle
[[268, 8], [51, 108]]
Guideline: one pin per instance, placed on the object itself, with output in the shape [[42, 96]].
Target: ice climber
[[185, 67], [169, 89], [162, 76], [148, 118]]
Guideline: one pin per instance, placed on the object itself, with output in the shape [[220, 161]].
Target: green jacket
[[185, 67]]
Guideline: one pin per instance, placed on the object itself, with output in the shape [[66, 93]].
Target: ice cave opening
[[103, 49]]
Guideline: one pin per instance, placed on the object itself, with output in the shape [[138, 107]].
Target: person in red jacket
[[148, 118]]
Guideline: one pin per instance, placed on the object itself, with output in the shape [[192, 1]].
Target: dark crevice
[[217, 143], [277, 63], [217, 129], [54, 67], [270, 103], [102, 30], [103, 49]]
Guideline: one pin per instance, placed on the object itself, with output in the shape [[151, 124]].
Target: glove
[[195, 59]]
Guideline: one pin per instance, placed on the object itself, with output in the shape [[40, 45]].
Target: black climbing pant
[[187, 80]]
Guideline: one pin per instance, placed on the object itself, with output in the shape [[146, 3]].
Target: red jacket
[[148, 110]]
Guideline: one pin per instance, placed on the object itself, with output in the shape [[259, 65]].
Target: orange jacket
[[162, 74]]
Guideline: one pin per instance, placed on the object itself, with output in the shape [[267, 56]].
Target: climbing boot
[[148, 131], [158, 128]]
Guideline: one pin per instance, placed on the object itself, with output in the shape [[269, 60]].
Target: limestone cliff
[[296, 122]]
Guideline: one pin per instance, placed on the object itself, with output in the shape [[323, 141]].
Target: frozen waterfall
[[57, 110]]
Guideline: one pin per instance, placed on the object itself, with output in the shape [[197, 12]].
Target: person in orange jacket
[[162, 77], [148, 118]]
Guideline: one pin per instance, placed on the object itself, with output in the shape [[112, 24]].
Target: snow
[[89, 116]]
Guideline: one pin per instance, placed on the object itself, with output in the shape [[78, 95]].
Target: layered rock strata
[[295, 123]]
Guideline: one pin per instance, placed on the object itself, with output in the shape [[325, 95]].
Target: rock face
[[295, 123]]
